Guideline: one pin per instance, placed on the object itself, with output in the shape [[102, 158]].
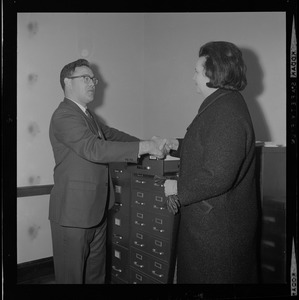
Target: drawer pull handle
[[140, 181], [269, 243], [117, 270], [118, 236], [269, 219], [159, 230], [139, 203], [159, 207], [144, 168], [157, 252], [118, 204], [118, 171], [157, 184], [140, 224], [137, 244], [268, 267], [156, 274], [137, 265]]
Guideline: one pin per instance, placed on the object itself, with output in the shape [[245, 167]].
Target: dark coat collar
[[211, 99]]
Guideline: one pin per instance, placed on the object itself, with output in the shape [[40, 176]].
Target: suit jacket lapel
[[95, 128]]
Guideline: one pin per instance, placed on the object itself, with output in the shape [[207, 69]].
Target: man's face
[[82, 89]]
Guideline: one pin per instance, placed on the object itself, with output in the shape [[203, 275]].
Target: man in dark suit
[[82, 190]]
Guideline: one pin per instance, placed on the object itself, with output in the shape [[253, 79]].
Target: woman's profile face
[[200, 78]]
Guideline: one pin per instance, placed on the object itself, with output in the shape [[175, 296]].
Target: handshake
[[158, 147]]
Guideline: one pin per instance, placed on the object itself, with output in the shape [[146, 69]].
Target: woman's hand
[[170, 187], [173, 204], [170, 190]]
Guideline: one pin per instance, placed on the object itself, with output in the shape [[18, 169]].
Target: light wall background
[[172, 42], [145, 63]]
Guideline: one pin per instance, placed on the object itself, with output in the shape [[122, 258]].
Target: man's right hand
[[155, 146]]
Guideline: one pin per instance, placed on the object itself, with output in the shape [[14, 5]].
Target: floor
[[49, 279]]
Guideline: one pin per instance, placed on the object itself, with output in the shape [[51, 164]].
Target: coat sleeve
[[113, 134], [219, 153], [177, 153], [71, 132]]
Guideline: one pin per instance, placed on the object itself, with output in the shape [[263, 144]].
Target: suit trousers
[[79, 254]]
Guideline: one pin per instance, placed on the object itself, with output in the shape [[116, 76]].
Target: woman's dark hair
[[224, 66], [69, 69]]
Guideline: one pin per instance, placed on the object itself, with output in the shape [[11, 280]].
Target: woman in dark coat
[[216, 188]]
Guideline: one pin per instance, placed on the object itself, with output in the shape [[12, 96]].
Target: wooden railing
[[35, 190]]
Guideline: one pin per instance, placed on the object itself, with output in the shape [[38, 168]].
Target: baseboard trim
[[34, 269]]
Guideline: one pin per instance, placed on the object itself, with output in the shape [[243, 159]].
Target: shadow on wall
[[252, 95], [252, 92], [100, 93]]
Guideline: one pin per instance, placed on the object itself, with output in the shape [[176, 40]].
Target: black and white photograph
[[154, 150]]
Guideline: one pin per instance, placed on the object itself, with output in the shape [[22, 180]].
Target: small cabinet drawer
[[274, 221], [158, 270], [143, 182], [120, 171], [156, 224], [139, 260], [140, 200], [152, 245], [139, 239], [149, 265], [119, 262], [118, 228], [149, 200], [140, 219], [140, 278], [122, 199], [273, 270], [152, 166], [161, 225], [273, 246], [159, 203], [159, 248], [122, 194]]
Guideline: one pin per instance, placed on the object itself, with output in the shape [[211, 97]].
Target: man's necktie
[[89, 115], [87, 112]]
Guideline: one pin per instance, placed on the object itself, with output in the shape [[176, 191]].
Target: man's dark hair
[[69, 69]]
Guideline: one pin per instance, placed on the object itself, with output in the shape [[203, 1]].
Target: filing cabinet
[[273, 196], [141, 234], [273, 242], [153, 227], [118, 233]]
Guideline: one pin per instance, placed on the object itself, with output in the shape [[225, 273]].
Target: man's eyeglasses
[[86, 79]]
